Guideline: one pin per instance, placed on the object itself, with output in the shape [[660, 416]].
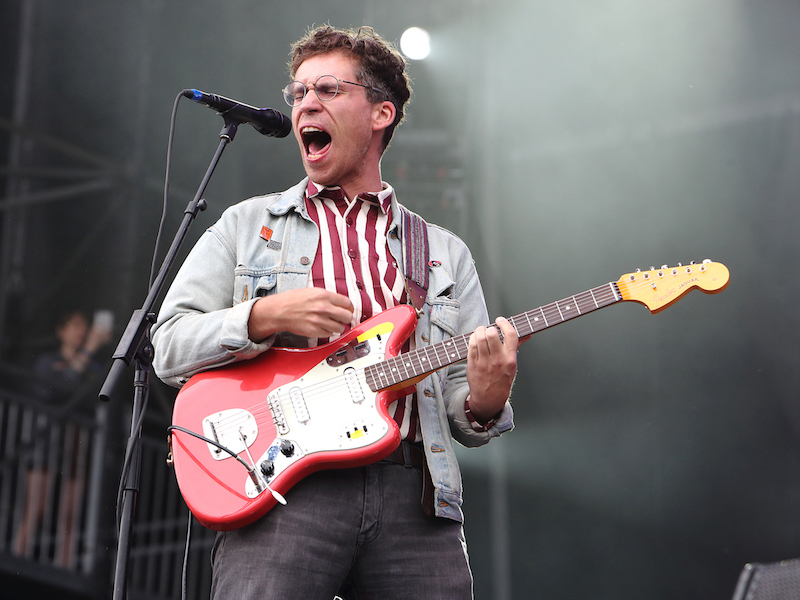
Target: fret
[[560, 314], [553, 313], [546, 324], [594, 299], [404, 367], [452, 350], [528, 320], [520, 324], [426, 364], [614, 291], [441, 354], [587, 302], [392, 372]]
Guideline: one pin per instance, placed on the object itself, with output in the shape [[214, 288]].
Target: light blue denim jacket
[[203, 319]]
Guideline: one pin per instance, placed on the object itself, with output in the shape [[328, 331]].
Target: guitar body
[[288, 413]]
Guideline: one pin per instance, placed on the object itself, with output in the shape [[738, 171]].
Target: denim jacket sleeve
[[203, 319], [197, 327]]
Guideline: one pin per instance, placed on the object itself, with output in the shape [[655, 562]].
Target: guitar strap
[[415, 240], [417, 256]]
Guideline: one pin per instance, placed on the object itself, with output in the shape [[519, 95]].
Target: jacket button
[[304, 260]]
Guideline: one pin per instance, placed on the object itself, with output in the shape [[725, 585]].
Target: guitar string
[[397, 369], [552, 314], [405, 363]]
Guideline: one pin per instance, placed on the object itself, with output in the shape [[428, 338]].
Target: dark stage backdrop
[[568, 143]]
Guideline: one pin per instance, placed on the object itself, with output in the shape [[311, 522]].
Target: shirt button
[[349, 221], [359, 285], [352, 253]]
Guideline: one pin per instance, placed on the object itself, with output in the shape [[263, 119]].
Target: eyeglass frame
[[286, 96]]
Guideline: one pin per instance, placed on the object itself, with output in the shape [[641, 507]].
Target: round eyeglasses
[[325, 87]]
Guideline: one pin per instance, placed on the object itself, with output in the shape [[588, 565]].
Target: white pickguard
[[329, 408]]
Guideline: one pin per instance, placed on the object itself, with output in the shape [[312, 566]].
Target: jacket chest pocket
[[444, 319], [248, 285]]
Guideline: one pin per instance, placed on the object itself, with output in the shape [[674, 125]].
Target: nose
[[310, 101]]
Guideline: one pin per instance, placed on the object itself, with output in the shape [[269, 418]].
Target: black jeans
[[359, 533]]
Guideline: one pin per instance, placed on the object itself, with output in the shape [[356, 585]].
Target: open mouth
[[315, 140]]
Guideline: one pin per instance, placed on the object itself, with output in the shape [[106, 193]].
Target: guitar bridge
[[278, 417], [235, 428]]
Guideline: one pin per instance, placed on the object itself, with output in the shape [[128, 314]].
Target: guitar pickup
[[353, 385], [351, 352], [338, 358], [362, 349]]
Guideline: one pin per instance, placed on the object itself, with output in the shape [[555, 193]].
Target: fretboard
[[413, 365]]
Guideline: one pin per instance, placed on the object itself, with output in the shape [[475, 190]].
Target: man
[[299, 269]]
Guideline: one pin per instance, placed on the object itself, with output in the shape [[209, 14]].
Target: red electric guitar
[[245, 433]]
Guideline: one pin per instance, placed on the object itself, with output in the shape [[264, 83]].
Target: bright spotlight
[[415, 43]]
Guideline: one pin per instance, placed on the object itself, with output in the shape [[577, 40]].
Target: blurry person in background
[[63, 380], [60, 373]]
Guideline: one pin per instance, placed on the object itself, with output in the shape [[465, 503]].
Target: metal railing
[[56, 487], [50, 482]]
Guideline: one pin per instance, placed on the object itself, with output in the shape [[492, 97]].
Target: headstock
[[659, 288]]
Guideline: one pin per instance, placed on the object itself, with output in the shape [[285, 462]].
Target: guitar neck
[[410, 367]]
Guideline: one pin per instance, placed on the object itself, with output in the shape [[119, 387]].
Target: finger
[[340, 300], [477, 342], [510, 337]]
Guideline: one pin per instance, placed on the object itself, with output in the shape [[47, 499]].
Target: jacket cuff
[[234, 336]]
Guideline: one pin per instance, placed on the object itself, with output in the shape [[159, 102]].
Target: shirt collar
[[383, 198]]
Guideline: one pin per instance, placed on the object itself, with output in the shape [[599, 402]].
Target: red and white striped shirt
[[353, 259]]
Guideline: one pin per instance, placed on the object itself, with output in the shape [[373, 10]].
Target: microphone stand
[[135, 346]]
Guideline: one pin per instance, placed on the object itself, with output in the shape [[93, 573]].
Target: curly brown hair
[[379, 64]]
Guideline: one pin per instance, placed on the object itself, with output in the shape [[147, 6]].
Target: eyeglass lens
[[326, 88]]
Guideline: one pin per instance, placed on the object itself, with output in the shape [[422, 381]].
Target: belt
[[412, 455], [407, 454]]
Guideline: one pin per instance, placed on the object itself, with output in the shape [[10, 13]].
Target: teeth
[[310, 129]]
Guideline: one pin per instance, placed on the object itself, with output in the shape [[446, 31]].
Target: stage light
[[415, 43]]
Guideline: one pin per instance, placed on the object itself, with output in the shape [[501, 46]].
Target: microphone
[[265, 120]]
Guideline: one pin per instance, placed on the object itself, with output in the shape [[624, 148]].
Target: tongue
[[318, 143]]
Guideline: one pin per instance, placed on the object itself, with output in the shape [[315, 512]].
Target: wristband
[[476, 426]]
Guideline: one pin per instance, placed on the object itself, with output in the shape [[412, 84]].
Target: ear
[[383, 115]]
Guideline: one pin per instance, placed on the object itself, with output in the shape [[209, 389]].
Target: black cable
[[128, 449], [213, 443], [185, 567], [164, 204]]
